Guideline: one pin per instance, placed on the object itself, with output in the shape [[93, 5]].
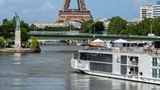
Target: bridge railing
[[54, 32], [77, 35]]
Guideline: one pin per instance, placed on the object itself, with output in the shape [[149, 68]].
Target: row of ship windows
[[108, 68], [101, 67], [96, 57], [107, 58]]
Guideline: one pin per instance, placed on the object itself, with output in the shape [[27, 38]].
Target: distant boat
[[97, 43], [94, 44]]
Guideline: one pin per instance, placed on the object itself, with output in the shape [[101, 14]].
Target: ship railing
[[126, 50]]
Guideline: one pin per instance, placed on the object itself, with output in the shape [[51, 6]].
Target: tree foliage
[[99, 27], [24, 34], [7, 30], [2, 43], [92, 27], [34, 43], [87, 26], [117, 25]]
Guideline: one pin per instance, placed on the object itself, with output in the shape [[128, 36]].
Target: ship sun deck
[[136, 50]]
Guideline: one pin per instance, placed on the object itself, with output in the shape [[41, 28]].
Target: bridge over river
[[75, 35]]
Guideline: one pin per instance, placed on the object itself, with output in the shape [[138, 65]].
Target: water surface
[[50, 70]]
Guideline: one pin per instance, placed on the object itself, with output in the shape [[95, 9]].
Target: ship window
[[96, 57], [159, 73], [154, 73], [87, 56], [123, 59], [101, 67], [107, 58], [92, 56], [123, 69], [154, 62], [82, 56]]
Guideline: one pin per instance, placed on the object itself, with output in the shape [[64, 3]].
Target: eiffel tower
[[78, 15]]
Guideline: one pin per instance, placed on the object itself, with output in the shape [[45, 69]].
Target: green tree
[[33, 27], [24, 35], [8, 28], [0, 30], [131, 29], [145, 26], [34, 43], [24, 25], [2, 43], [156, 26], [116, 25], [87, 26], [99, 27]]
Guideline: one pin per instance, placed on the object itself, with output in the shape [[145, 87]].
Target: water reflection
[[87, 82], [51, 70], [17, 58]]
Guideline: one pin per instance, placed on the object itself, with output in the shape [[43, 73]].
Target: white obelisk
[[17, 33]]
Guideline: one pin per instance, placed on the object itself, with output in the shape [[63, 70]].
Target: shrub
[[34, 43], [2, 43]]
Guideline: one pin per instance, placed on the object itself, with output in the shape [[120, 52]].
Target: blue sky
[[47, 10]]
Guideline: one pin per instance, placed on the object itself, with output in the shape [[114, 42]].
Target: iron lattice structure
[[78, 15]]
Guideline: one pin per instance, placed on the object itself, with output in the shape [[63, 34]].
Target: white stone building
[[149, 11]]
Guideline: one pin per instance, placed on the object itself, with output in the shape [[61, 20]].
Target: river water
[[51, 70]]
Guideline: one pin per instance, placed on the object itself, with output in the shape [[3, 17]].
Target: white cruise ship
[[135, 61]]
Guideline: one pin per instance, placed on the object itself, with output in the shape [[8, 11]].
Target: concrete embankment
[[20, 50]]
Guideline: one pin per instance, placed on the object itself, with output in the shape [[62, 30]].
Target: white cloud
[[48, 6], [1, 2]]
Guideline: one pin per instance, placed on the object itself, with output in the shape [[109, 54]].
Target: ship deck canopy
[[120, 41], [125, 43]]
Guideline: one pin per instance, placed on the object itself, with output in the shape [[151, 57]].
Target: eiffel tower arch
[[78, 15]]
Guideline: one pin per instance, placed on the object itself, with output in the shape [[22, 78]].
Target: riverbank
[[20, 50]]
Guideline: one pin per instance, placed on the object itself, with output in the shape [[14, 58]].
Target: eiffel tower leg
[[81, 5], [66, 4]]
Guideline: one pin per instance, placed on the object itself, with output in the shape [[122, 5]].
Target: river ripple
[[51, 70]]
